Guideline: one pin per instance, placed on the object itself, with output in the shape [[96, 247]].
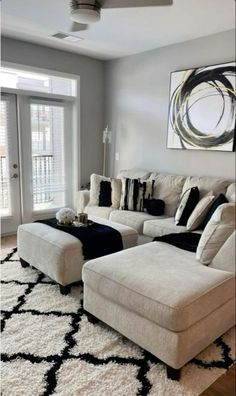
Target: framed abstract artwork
[[202, 108]]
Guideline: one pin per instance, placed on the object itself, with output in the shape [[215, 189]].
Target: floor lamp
[[106, 141]]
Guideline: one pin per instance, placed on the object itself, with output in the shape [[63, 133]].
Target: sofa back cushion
[[217, 231], [231, 192], [215, 185], [168, 188], [134, 174], [225, 258]]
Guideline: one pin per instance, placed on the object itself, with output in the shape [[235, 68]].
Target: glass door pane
[[10, 208], [5, 201], [48, 162]]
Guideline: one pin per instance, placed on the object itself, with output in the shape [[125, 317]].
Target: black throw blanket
[[184, 240], [97, 239]]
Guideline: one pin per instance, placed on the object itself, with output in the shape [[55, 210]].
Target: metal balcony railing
[[43, 174], [42, 178]]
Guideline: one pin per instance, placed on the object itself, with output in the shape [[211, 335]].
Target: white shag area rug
[[50, 346]]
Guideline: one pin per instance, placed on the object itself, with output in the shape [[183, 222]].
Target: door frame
[[74, 103], [76, 113]]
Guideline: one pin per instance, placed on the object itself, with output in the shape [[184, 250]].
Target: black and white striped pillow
[[134, 192]]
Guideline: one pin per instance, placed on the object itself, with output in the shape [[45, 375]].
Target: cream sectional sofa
[[167, 187]]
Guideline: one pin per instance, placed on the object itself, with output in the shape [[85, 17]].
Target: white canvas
[[202, 108]]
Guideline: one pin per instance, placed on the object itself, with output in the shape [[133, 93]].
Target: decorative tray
[[76, 224]]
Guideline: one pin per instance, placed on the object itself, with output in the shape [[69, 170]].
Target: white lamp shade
[[85, 16]]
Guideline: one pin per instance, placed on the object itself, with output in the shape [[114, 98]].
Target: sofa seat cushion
[[163, 226], [160, 282], [130, 218], [99, 211]]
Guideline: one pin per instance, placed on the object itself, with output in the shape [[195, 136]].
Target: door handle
[[14, 176]]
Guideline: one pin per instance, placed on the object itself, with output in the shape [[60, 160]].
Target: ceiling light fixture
[[86, 13]]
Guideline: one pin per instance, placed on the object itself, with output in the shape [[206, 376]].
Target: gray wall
[[137, 92], [91, 72]]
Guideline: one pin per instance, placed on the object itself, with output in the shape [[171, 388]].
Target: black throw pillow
[[105, 194], [154, 207], [187, 203], [220, 200]]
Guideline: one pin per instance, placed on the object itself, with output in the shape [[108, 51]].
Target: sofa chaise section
[[161, 298]]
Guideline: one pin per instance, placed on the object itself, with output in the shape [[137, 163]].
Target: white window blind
[[39, 82], [5, 201], [48, 163]]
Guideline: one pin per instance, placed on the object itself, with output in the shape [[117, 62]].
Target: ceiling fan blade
[[77, 27], [134, 3]]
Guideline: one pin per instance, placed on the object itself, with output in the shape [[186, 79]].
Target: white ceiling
[[120, 32]]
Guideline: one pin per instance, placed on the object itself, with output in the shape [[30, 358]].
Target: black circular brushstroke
[[217, 78]]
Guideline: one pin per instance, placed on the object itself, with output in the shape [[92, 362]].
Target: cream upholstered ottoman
[[59, 254]]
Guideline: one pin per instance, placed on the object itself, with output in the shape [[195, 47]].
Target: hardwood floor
[[224, 386], [8, 241]]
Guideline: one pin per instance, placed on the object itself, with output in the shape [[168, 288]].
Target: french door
[[41, 182]]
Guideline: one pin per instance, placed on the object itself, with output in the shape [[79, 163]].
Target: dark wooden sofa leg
[[24, 263], [172, 373], [65, 289]]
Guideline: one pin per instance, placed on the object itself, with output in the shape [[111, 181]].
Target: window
[[29, 81], [48, 163]]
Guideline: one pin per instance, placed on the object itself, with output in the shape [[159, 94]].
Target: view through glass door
[[9, 166], [48, 159]]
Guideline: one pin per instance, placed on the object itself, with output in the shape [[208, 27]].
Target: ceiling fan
[[85, 12]]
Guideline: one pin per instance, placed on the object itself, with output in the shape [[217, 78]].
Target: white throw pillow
[[231, 193], [199, 213], [225, 258], [217, 231]]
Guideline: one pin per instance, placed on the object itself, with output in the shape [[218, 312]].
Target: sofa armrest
[[82, 200]]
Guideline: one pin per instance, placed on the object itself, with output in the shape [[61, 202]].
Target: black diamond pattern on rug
[[55, 347]]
